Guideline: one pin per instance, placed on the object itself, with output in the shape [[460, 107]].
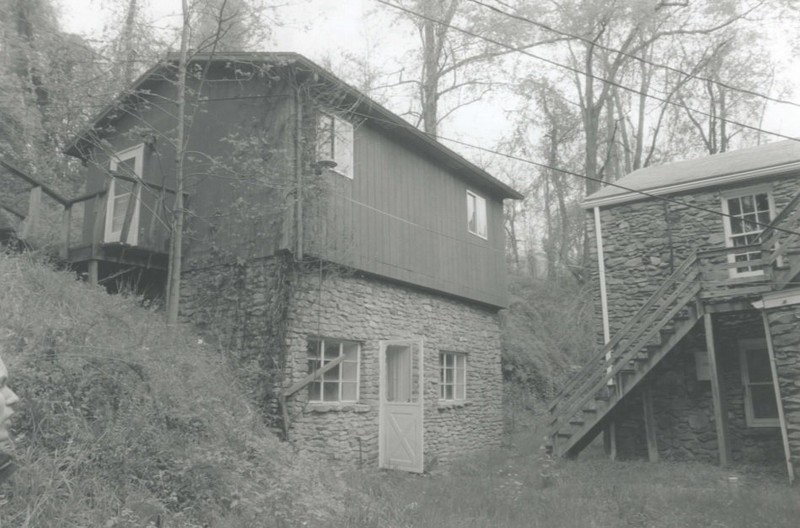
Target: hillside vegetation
[[123, 421]]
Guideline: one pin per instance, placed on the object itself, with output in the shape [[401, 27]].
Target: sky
[[338, 26]]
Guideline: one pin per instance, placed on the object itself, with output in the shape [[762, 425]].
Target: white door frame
[[137, 155], [382, 401]]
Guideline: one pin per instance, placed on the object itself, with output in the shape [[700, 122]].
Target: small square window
[[761, 408], [335, 143], [340, 383], [452, 376], [476, 214]]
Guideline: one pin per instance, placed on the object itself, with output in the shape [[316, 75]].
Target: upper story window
[[476, 214], [761, 409], [339, 384], [335, 142], [123, 195], [748, 212]]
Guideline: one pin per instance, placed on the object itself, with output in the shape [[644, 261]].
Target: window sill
[[452, 404], [318, 407]]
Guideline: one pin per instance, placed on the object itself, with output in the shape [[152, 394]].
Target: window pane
[[763, 218], [460, 391], [481, 207], [349, 371], [313, 348], [448, 392], [762, 202], [747, 204], [350, 351], [460, 375], [331, 350], [733, 206], [764, 401], [448, 376], [313, 365], [349, 391], [330, 391], [736, 226], [758, 368], [325, 143], [332, 374], [472, 219], [314, 391], [460, 359]]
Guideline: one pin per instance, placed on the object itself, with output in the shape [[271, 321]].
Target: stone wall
[[645, 240], [369, 310], [784, 325], [268, 308], [684, 407]]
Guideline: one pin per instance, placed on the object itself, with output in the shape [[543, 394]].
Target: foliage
[[547, 330], [124, 418]]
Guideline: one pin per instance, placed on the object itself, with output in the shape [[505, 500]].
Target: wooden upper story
[[282, 155]]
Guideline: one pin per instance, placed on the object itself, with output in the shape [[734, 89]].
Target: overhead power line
[[631, 55], [581, 72]]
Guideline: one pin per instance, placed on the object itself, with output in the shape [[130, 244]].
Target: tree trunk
[[173, 298]]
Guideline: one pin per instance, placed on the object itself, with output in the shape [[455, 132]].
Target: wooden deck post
[[718, 394], [66, 222], [93, 272], [650, 424], [34, 209], [610, 440]]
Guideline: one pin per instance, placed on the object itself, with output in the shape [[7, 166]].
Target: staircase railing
[[703, 276]]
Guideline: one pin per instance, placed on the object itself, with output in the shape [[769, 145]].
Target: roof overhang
[[381, 116], [632, 195]]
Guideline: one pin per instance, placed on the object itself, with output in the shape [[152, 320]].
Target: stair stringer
[[578, 437]]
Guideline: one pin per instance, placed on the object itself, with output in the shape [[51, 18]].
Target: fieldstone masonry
[[370, 310], [784, 325], [643, 242], [246, 306]]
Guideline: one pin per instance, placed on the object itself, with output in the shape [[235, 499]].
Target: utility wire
[[581, 72], [632, 56]]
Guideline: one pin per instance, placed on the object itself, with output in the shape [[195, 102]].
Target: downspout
[[298, 173], [776, 385], [601, 270]]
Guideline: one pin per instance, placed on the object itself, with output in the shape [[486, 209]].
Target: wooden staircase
[[702, 283]]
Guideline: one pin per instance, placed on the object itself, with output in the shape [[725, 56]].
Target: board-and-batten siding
[[404, 217]]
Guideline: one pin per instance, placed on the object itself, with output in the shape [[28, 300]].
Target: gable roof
[[753, 163], [366, 106]]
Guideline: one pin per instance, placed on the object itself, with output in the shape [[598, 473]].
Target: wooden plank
[[66, 224], [717, 393], [31, 225], [787, 451], [93, 272], [314, 375], [130, 210], [52, 193], [610, 440], [649, 423], [99, 229]]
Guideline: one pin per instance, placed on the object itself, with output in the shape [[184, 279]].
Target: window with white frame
[[452, 376], [335, 143], [123, 193], [761, 409], [476, 214], [340, 383], [747, 213]]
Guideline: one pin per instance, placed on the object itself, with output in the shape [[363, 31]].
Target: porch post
[[93, 275], [717, 392], [650, 424], [778, 400]]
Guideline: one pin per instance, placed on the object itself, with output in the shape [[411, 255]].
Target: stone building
[[696, 310], [354, 265]]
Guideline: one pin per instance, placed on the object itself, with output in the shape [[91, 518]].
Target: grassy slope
[[122, 418]]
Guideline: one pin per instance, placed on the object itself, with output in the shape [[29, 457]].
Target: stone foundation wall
[[370, 310], [264, 309], [644, 241], [684, 407], [784, 325]]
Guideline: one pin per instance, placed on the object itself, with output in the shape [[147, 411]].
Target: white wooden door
[[401, 409]]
